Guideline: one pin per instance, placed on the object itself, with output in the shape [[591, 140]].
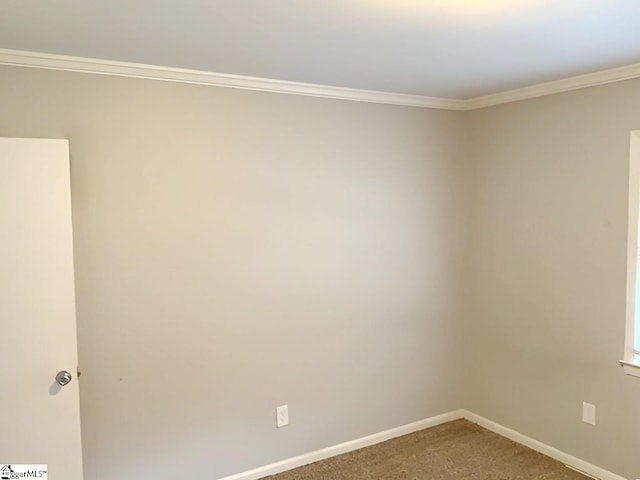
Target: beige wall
[[369, 265], [239, 250], [550, 233]]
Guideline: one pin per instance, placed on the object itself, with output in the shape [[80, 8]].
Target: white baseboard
[[543, 448], [341, 448], [369, 440]]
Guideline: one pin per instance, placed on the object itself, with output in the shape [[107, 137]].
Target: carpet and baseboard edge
[[549, 451], [305, 459]]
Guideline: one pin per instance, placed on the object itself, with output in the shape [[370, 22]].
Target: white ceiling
[[441, 48]]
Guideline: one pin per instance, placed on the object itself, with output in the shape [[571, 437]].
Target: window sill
[[630, 368]]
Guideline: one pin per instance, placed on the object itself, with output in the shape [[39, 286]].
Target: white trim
[[630, 368], [137, 70], [329, 452], [632, 252], [581, 472], [569, 460], [307, 458], [603, 77]]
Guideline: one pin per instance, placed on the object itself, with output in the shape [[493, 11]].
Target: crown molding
[[602, 77], [137, 70]]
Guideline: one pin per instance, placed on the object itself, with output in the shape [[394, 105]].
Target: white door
[[39, 419]]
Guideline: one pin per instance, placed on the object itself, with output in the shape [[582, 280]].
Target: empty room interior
[[338, 239]]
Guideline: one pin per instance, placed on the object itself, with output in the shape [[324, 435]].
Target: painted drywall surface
[[549, 272], [238, 250]]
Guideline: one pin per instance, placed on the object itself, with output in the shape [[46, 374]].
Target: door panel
[[39, 419]]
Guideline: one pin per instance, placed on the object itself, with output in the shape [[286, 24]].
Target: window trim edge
[[630, 368], [629, 363]]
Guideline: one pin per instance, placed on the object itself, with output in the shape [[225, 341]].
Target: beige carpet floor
[[458, 450]]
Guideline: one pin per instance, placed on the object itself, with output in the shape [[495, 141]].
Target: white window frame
[[631, 362]]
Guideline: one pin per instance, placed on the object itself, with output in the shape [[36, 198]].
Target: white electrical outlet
[[588, 413], [282, 416]]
